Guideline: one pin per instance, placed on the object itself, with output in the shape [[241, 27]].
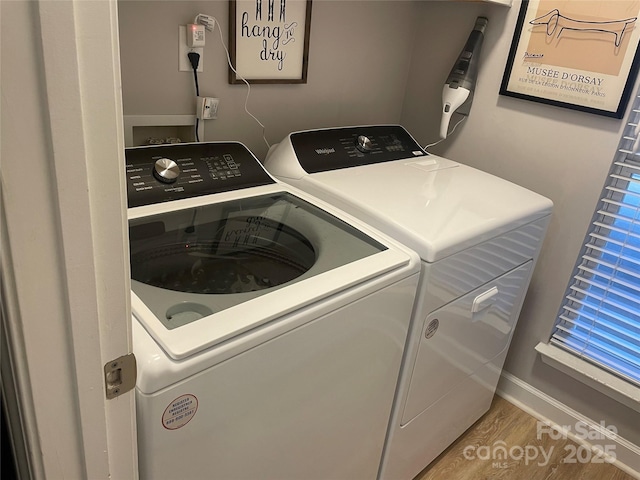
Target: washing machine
[[478, 237], [268, 327]]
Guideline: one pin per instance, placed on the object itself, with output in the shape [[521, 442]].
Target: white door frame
[[65, 270]]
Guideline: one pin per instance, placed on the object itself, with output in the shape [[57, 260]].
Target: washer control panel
[[335, 148], [162, 173]]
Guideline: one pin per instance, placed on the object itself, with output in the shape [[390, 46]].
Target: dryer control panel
[[336, 148], [162, 173]]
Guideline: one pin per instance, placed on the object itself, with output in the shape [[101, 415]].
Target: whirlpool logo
[[325, 151]]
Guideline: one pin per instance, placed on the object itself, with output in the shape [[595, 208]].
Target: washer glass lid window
[[219, 255]]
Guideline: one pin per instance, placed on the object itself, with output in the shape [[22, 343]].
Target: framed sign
[[269, 40], [575, 54]]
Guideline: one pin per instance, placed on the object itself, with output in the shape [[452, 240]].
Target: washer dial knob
[[364, 144], [166, 170]]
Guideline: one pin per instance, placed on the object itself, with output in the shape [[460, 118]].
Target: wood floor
[[474, 456]]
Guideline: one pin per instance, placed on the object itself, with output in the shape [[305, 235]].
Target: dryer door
[[462, 337]]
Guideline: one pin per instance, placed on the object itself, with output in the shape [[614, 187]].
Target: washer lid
[[433, 205], [203, 274]]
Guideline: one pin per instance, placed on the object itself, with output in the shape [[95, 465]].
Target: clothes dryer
[[478, 237], [268, 326]]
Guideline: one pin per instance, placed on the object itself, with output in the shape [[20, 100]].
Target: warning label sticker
[[179, 412]]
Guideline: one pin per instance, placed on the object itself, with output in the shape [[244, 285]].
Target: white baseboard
[[550, 411]]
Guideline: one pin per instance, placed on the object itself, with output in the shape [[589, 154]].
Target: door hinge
[[120, 375]]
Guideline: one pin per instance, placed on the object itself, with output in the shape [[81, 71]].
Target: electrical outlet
[[213, 104], [183, 49], [207, 108]]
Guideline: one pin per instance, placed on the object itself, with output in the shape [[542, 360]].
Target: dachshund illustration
[[554, 19]]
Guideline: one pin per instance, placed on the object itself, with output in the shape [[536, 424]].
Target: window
[[600, 318]]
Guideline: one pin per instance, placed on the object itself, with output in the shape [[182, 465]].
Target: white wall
[[560, 153], [359, 59]]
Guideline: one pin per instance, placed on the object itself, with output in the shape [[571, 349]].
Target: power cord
[[209, 23], [194, 58]]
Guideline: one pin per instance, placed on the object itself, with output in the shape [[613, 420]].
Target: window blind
[[599, 320]]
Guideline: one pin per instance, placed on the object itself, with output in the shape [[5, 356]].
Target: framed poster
[[575, 54], [269, 40]]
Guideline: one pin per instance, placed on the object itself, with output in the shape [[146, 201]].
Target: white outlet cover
[[184, 64]]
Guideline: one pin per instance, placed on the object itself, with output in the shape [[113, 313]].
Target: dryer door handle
[[484, 300]]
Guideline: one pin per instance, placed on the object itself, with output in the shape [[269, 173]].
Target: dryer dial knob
[[166, 170], [364, 144]]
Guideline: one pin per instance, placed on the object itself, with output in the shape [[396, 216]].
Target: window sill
[[590, 375]]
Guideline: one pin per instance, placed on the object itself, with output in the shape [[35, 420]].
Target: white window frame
[[578, 368]]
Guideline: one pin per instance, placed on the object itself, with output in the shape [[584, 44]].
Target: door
[[464, 336], [65, 288]]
